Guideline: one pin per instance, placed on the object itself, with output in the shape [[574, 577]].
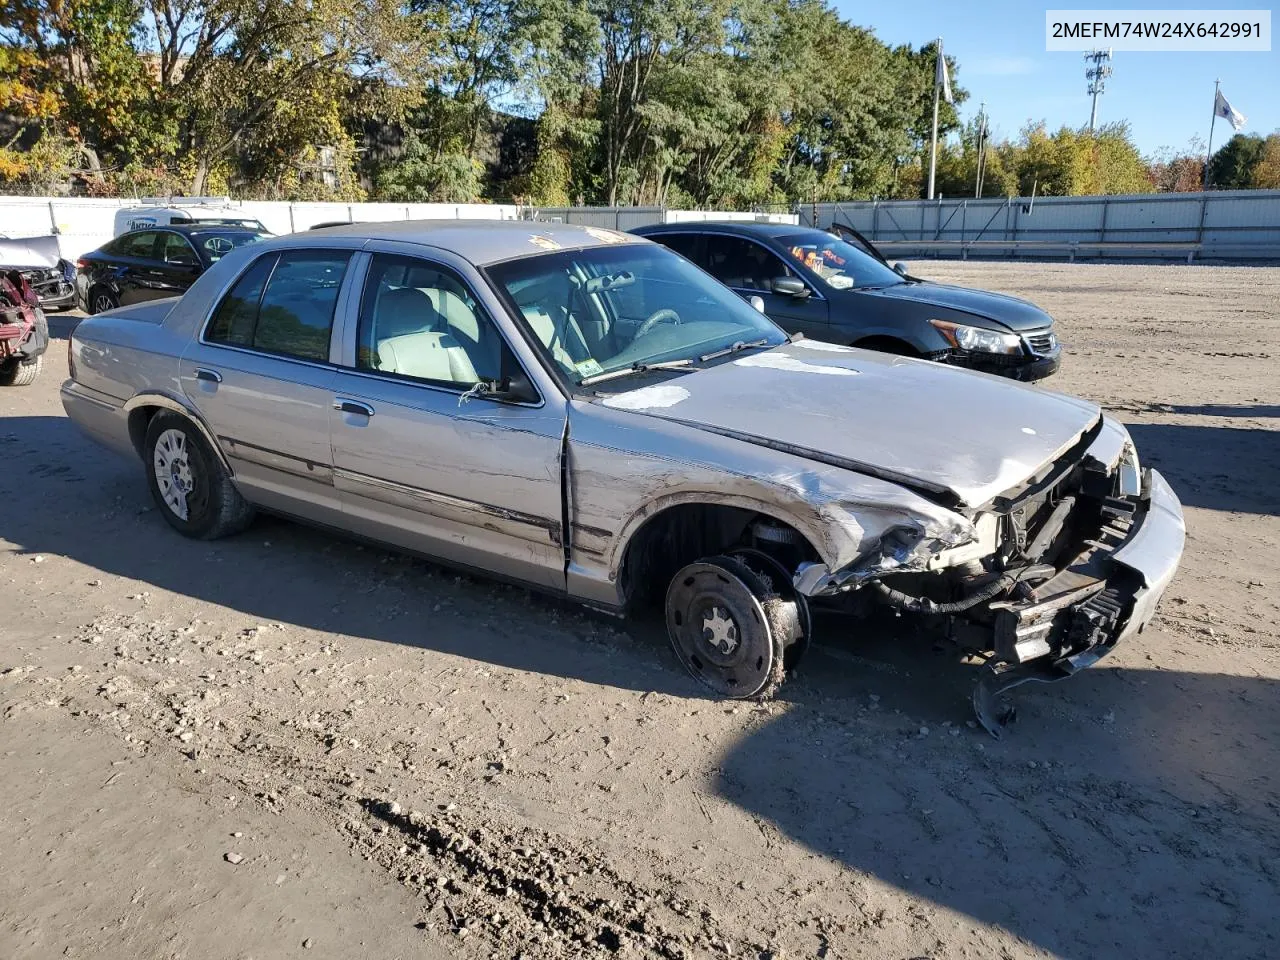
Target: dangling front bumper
[[1141, 565]]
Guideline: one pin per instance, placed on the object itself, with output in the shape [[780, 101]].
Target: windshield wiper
[[735, 348], [633, 370]]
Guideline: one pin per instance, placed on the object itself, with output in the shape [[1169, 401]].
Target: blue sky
[[1167, 98]]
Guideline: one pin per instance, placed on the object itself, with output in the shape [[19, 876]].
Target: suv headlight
[[977, 339]]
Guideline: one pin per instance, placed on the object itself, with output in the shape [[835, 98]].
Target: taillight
[[71, 356]]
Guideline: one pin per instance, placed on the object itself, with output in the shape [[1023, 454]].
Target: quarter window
[[739, 263], [419, 320], [283, 304]]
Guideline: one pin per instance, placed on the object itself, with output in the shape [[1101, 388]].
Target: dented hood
[[937, 428]]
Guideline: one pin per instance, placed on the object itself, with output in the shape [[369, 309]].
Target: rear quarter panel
[[127, 351]]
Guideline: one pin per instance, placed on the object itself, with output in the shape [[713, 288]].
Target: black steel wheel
[[728, 628]]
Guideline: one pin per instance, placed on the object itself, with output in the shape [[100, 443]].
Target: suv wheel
[[190, 486], [101, 300]]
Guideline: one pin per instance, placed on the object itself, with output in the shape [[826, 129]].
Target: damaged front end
[[1057, 571]]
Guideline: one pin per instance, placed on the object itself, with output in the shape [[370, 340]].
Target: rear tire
[[729, 629], [101, 300], [189, 483], [20, 373]]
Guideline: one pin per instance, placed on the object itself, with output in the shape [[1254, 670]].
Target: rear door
[[749, 267], [260, 375], [420, 459]]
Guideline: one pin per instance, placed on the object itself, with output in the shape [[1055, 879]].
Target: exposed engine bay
[[1036, 595]]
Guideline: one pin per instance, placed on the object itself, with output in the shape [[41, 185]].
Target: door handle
[[212, 376], [343, 405]]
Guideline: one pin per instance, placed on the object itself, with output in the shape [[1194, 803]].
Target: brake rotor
[[778, 580]]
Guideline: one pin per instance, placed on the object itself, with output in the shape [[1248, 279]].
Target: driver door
[[750, 268], [178, 268], [423, 460]]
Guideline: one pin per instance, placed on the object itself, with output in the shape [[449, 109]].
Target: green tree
[[1266, 174], [423, 174], [1232, 166]]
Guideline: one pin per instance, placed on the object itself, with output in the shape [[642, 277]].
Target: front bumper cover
[[1022, 367], [1142, 566]]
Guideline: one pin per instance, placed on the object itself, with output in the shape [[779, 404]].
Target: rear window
[[283, 304]]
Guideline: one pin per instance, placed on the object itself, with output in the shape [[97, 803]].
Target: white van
[[161, 212]]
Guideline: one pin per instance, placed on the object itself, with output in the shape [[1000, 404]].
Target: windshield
[[213, 245], [612, 308], [841, 265]]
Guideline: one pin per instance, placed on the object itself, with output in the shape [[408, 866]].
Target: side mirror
[[517, 388], [900, 268], [757, 302], [790, 287]]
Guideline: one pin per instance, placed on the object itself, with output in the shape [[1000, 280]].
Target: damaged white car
[[587, 413]]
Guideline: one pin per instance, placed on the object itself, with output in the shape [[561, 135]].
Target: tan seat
[[544, 329], [429, 355], [479, 340]]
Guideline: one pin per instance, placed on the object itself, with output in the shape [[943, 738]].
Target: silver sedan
[[587, 413]]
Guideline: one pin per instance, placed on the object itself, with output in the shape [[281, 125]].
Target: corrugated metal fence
[[1226, 224], [83, 224]]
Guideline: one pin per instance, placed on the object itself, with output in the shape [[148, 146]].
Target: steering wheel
[[665, 315]]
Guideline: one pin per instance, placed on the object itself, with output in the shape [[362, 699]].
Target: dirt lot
[[287, 745]]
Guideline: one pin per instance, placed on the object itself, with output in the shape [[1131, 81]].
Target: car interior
[[421, 322]]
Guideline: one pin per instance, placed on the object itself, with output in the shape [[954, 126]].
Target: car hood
[[1014, 313], [28, 253], [958, 435]]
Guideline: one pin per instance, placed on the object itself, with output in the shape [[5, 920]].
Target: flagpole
[[1217, 84], [982, 125], [933, 144]]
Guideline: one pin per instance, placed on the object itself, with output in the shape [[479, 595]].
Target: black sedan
[[841, 290], [154, 263]]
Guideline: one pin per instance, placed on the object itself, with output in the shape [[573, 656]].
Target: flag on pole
[[943, 80], [1223, 109]]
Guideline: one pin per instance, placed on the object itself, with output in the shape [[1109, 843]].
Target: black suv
[[154, 263], [840, 289]]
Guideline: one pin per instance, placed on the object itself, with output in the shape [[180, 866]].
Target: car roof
[[744, 228], [481, 242], [195, 228]]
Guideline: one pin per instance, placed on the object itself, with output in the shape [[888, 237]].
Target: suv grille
[[1042, 342]]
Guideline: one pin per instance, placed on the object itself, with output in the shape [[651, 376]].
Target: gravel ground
[[289, 745]]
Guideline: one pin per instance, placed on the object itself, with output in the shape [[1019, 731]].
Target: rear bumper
[[101, 418]]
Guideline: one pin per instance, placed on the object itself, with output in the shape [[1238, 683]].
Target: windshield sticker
[[782, 361], [588, 367], [648, 398], [546, 243], [607, 236], [840, 282]]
